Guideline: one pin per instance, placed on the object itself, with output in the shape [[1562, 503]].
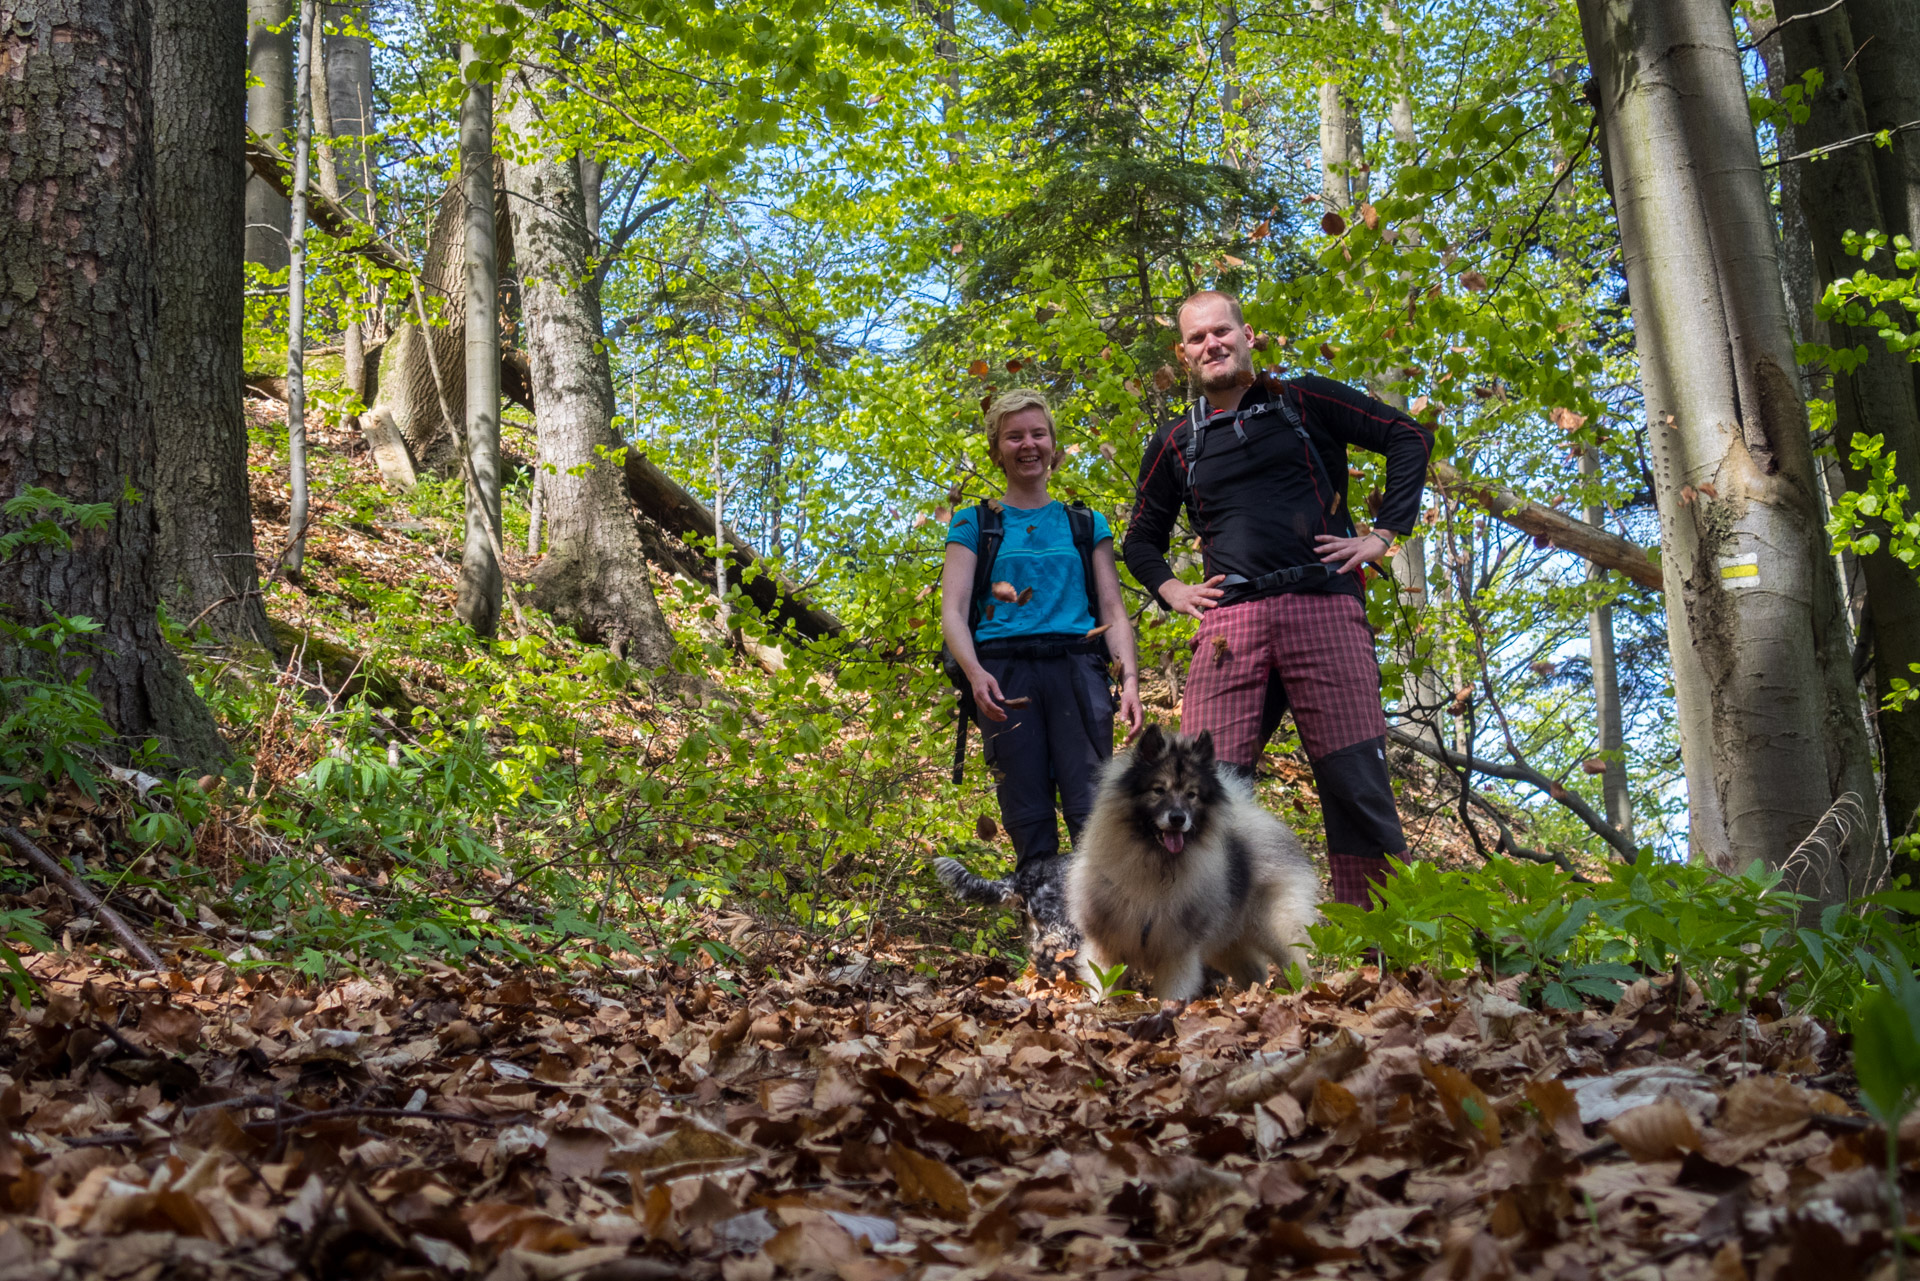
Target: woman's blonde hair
[[1009, 403]]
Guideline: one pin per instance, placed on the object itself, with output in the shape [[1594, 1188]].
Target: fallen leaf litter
[[868, 1121]]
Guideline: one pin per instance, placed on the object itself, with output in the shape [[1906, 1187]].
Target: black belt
[[1235, 588], [1041, 647]]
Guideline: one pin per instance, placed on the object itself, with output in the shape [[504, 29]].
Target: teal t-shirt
[[1036, 551]]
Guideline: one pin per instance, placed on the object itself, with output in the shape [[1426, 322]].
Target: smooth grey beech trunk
[[296, 550], [1841, 193], [270, 114], [203, 555], [594, 575], [1770, 726], [348, 57], [75, 370], [478, 604], [1609, 733]]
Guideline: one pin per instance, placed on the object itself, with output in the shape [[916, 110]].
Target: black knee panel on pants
[[1356, 798]]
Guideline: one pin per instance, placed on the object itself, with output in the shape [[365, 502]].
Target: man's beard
[[1239, 376]]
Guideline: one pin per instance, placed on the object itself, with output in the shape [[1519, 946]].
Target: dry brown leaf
[[923, 1180], [1466, 1105], [1005, 592], [1657, 1131], [1561, 1112]]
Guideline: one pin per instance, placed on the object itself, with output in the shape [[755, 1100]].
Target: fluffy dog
[[1039, 889], [1180, 868]]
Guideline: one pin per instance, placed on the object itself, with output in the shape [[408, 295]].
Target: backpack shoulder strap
[[1291, 415], [1080, 520], [992, 530]]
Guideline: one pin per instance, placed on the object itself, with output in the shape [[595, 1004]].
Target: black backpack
[[993, 532]]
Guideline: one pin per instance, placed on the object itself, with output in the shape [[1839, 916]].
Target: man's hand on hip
[[1349, 554], [1189, 598]]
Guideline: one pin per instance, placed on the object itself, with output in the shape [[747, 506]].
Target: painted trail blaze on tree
[[1769, 720], [77, 330]]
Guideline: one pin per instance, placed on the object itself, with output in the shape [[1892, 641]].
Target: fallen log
[[662, 499], [1596, 545]]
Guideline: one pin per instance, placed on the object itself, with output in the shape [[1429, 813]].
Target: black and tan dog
[[1180, 869]]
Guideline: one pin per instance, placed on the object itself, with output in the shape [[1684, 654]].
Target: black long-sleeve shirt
[[1258, 503]]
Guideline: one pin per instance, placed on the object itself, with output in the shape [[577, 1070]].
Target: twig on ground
[[49, 867]]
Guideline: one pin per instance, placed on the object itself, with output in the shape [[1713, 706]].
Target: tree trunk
[[269, 114], [479, 600], [349, 56], [296, 549], [400, 381], [1770, 723], [76, 412], [1840, 193], [203, 553], [1803, 292], [1609, 731], [1887, 66], [1231, 89], [594, 575]]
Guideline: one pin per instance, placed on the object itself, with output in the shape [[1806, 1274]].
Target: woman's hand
[[1134, 715], [987, 695], [1349, 554]]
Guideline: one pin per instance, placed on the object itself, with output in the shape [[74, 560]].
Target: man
[[1260, 464]]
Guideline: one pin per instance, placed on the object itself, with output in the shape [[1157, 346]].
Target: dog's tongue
[[1174, 842]]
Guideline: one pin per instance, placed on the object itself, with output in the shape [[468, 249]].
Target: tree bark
[[594, 575], [76, 412], [478, 604], [1838, 194], [1771, 732], [269, 114], [203, 553], [349, 81], [1609, 730], [296, 549]]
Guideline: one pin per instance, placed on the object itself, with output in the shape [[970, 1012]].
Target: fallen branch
[[1590, 542], [662, 498], [329, 215], [49, 867], [1519, 774]]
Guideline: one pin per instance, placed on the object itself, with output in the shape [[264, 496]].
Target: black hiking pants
[[1054, 746]]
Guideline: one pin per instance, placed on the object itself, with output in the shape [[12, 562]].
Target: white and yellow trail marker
[[1740, 571]]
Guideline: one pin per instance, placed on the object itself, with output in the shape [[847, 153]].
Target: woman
[[1039, 681]]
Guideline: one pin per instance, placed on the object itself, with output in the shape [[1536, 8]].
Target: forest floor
[[895, 1114], [871, 1105]]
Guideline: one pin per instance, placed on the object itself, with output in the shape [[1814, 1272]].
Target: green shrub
[[1735, 936]]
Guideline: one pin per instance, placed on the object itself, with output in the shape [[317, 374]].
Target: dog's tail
[[968, 885]]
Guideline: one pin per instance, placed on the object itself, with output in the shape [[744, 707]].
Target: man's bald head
[[1211, 295]]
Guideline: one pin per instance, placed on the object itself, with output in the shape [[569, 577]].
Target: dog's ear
[[1152, 745], [1203, 749]]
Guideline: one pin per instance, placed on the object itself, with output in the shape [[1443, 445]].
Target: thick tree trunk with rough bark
[[1770, 722], [1840, 193], [76, 412], [269, 114], [480, 583], [594, 575], [203, 556]]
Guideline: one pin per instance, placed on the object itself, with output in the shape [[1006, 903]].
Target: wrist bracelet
[[1388, 539]]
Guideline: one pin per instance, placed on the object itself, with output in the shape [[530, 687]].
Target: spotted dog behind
[[1040, 890]]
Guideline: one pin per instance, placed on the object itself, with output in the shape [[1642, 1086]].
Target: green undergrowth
[[1744, 939], [411, 791]]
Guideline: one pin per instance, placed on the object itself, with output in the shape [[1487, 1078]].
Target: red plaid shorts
[[1320, 645]]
